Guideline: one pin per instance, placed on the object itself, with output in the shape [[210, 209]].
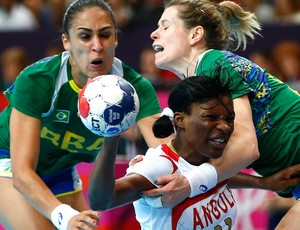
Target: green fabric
[[46, 91]]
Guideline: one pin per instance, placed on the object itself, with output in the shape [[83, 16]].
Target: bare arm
[[104, 191], [24, 148], [145, 126], [279, 181], [242, 148]]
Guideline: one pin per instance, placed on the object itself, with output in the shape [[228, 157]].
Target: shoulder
[[154, 165], [45, 64], [39, 78]]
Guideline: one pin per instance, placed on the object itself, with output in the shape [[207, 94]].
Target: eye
[[84, 36], [105, 34], [165, 24], [210, 117]]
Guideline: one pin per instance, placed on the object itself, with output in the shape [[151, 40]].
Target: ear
[[66, 42], [116, 43], [116, 40], [196, 34], [179, 119]]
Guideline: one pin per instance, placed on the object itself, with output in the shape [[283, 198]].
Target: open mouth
[[158, 48], [97, 62], [220, 142]]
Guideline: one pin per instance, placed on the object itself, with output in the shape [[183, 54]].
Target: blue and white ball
[[108, 105]]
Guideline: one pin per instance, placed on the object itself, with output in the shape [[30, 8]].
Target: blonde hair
[[227, 25]]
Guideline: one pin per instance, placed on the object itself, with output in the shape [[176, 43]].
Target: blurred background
[[31, 30]]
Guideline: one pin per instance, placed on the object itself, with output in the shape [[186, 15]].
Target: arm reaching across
[[277, 182]]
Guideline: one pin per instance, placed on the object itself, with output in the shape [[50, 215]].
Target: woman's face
[[92, 41], [207, 129], [171, 41]]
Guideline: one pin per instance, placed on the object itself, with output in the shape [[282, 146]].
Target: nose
[[224, 126], [97, 46], [154, 34]]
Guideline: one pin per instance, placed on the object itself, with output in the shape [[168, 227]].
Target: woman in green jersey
[[267, 123], [41, 135]]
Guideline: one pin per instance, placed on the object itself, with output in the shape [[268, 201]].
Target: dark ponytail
[[163, 127]]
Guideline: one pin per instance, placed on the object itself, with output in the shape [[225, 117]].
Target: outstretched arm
[[277, 182]]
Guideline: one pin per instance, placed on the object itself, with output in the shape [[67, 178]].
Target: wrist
[[202, 179], [61, 216], [261, 183]]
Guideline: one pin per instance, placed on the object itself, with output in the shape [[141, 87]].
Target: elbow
[[248, 146], [255, 155], [24, 179], [19, 182], [255, 152], [99, 206], [249, 150], [98, 202]]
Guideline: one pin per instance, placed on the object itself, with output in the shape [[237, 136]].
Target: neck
[[78, 78], [184, 67], [191, 156], [171, 146], [189, 68]]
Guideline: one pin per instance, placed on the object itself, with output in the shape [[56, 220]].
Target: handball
[[108, 105]]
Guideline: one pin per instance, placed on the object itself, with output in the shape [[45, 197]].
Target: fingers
[[92, 214], [293, 170], [173, 189], [136, 159], [295, 175], [162, 181], [86, 220], [153, 192]]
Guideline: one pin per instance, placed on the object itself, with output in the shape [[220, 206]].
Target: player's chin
[[95, 72], [165, 66], [216, 152], [161, 65]]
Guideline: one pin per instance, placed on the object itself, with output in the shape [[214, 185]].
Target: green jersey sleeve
[[230, 74], [33, 89]]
